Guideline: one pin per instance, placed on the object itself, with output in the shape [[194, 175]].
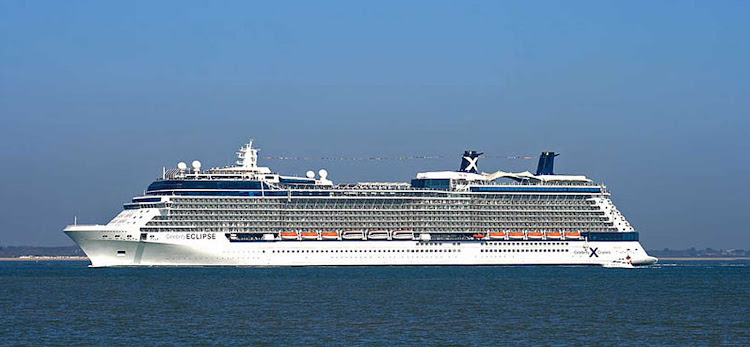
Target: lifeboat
[[516, 235], [288, 236], [478, 236], [377, 234], [573, 235], [329, 235], [353, 235], [553, 235], [497, 236], [402, 235], [309, 236], [534, 235]]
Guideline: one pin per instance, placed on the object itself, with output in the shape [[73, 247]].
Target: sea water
[[67, 303]]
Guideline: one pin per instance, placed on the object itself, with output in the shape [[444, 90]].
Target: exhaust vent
[[546, 163]]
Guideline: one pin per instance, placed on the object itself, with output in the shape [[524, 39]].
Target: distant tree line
[[699, 253], [19, 251]]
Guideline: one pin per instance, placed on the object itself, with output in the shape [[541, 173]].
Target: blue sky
[[649, 97]]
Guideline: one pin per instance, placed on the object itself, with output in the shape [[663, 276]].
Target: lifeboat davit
[[516, 235], [573, 235], [497, 235], [554, 235], [402, 235], [353, 235], [377, 234], [534, 235], [309, 236], [288, 236], [329, 235]]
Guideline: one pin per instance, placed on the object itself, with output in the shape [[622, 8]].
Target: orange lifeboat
[[573, 235], [329, 235], [554, 235], [288, 236], [497, 235], [534, 235], [516, 235], [478, 236], [309, 235]]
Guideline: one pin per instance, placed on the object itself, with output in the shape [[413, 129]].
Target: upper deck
[[249, 179]]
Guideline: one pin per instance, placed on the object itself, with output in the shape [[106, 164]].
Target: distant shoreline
[[703, 258], [45, 259]]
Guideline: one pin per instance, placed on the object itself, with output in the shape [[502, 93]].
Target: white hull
[[214, 249]]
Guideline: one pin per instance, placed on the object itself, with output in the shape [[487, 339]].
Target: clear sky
[[649, 97]]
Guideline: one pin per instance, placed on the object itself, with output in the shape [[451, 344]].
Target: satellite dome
[[182, 166], [323, 174], [196, 165], [310, 174]]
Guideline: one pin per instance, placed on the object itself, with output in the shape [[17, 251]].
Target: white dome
[[196, 165], [310, 174], [181, 165], [323, 174]]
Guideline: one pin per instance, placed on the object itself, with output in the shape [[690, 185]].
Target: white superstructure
[[247, 215]]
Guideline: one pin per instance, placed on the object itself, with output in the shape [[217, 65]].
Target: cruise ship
[[248, 215]]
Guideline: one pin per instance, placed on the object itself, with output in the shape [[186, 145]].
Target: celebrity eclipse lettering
[[203, 236]]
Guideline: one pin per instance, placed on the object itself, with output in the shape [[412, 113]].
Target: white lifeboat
[[377, 235], [353, 235], [402, 235]]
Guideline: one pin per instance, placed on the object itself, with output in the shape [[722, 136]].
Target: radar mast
[[248, 156]]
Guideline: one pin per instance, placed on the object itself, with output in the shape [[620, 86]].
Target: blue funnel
[[469, 161], [546, 163]]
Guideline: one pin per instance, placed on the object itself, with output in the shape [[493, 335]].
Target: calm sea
[[678, 303]]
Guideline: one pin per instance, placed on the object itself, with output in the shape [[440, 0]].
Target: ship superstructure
[[248, 215]]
